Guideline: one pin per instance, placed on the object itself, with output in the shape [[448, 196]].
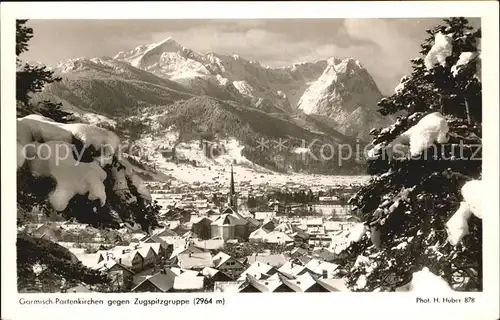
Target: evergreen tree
[[31, 79], [406, 205]]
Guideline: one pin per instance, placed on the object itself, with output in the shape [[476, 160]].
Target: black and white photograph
[[227, 156]]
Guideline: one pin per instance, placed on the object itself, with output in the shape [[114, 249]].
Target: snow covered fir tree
[[68, 169], [421, 212]]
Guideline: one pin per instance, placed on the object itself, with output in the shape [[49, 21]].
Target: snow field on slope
[[216, 170]]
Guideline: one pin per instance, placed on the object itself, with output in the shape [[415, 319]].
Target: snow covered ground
[[216, 170]]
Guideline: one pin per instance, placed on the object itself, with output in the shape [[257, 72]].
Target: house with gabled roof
[[278, 237], [292, 268], [121, 276], [302, 283], [188, 283], [215, 274], [164, 248], [325, 269], [129, 257], [183, 250], [162, 281], [274, 260], [258, 235], [227, 263], [258, 270], [149, 251], [253, 285]]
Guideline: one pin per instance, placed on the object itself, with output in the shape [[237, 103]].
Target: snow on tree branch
[[40, 129], [72, 177], [424, 281], [357, 232], [464, 60], [457, 226], [50, 149], [472, 192], [442, 49], [400, 87], [430, 129]]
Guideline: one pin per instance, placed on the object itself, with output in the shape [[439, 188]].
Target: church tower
[[232, 199]]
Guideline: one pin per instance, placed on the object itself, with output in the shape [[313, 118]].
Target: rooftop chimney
[[325, 274], [120, 260]]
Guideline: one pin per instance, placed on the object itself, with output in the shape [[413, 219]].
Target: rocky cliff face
[[347, 94]]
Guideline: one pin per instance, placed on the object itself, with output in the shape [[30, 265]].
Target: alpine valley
[[184, 109]]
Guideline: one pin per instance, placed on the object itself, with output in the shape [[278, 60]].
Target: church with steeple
[[230, 224]]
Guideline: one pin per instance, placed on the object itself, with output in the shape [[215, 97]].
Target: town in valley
[[243, 238]]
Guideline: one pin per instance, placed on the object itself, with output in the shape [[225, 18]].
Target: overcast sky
[[384, 46]]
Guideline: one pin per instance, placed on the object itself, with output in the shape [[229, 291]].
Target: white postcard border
[[351, 305]]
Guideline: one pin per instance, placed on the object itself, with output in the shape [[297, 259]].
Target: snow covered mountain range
[[334, 98], [343, 90]]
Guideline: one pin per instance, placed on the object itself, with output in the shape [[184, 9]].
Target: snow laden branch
[[432, 128], [469, 59], [442, 49], [457, 226], [72, 177], [87, 167], [424, 281]]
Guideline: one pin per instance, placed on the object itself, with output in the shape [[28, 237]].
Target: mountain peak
[[167, 41], [348, 65], [140, 55]]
